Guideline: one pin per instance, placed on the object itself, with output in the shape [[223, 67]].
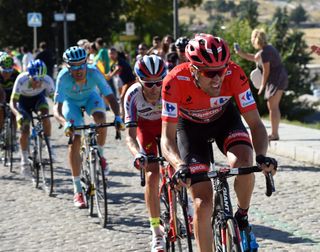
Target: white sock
[[24, 156], [101, 150]]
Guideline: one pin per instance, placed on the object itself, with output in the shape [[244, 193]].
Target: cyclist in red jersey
[[197, 106], [143, 121]]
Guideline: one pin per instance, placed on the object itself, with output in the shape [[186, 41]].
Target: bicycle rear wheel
[[8, 142], [233, 239], [34, 161], [85, 179], [45, 164], [101, 189]]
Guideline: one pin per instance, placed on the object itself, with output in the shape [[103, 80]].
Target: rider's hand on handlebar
[[68, 131], [267, 164], [119, 123], [140, 161], [180, 176]]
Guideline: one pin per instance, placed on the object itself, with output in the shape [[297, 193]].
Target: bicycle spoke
[[45, 163], [101, 193]]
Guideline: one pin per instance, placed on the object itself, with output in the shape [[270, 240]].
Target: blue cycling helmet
[[37, 68], [74, 54], [150, 67]]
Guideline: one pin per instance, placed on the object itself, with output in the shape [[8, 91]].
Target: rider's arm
[[57, 112], [168, 144], [258, 131], [15, 95], [131, 140], [112, 101]]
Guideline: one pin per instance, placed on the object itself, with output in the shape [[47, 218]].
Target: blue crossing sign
[[34, 19]]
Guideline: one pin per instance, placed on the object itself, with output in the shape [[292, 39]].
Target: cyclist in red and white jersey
[[143, 121], [197, 106]]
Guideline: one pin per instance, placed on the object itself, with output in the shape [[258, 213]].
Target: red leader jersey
[[181, 97]]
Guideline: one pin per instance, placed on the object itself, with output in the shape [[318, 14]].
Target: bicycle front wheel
[[45, 164], [184, 228], [101, 191], [8, 137], [86, 179]]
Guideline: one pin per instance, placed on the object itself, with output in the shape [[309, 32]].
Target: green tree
[[248, 10], [298, 15], [209, 7], [295, 57]]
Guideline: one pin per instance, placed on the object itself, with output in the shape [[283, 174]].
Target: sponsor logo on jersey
[[246, 98], [216, 102], [145, 110], [196, 168], [169, 109], [185, 78]]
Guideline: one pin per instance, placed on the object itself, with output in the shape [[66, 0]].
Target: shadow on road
[[123, 198], [297, 168], [269, 233]]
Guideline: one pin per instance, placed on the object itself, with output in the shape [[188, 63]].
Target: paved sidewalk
[[298, 143]]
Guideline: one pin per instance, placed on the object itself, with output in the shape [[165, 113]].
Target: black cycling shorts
[[192, 139]]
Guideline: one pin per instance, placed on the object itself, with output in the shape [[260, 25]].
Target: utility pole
[[64, 4], [175, 19]]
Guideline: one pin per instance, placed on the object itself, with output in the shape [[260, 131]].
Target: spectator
[[142, 50], [172, 58], [102, 59], [92, 52], [274, 76], [46, 56], [124, 77], [165, 44], [27, 57], [156, 46]]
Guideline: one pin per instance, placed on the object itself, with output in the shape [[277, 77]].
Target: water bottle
[[253, 243], [244, 240]]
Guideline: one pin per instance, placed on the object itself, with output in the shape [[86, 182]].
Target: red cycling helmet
[[206, 50]]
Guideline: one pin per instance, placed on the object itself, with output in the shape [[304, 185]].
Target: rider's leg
[[100, 117], [75, 162], [241, 155], [202, 195], [152, 197], [274, 113]]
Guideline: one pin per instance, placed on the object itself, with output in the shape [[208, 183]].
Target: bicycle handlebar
[[93, 126], [90, 126], [150, 159], [225, 172], [41, 117]]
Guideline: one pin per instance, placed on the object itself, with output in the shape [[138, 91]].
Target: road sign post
[[34, 20], [65, 17]]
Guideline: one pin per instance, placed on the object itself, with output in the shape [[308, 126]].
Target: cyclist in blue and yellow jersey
[[8, 75], [77, 87], [28, 94]]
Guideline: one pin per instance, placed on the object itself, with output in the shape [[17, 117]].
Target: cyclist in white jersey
[[28, 94], [143, 122]]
